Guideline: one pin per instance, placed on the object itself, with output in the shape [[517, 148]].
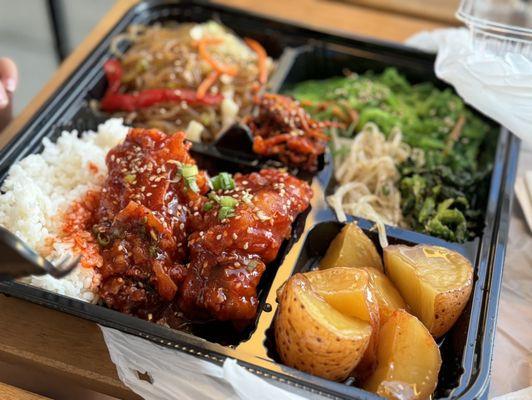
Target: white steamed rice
[[40, 188]]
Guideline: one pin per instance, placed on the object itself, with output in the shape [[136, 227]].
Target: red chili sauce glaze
[[166, 242]]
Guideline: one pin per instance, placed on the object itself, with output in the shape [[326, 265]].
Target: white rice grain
[[41, 187]]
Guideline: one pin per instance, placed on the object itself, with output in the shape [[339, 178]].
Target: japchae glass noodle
[[205, 59], [367, 174]]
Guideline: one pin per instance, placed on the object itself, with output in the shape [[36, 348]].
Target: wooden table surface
[[435, 10], [9, 392], [72, 349]]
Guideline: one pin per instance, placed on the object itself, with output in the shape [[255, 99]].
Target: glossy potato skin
[[447, 308], [351, 248], [437, 308], [308, 344], [407, 355]]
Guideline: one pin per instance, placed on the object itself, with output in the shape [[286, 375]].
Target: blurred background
[[27, 36]]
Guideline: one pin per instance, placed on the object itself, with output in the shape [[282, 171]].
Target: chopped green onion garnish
[[189, 171], [214, 197], [227, 205], [228, 201], [130, 178], [225, 212], [192, 185], [252, 265], [223, 181], [103, 239]]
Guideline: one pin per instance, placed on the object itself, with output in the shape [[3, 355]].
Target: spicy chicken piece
[[229, 252], [145, 169], [283, 129], [142, 218]]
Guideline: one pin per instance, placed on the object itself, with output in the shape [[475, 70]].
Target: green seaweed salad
[[444, 196]]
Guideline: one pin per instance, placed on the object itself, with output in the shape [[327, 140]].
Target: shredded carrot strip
[[207, 83], [262, 56], [230, 70]]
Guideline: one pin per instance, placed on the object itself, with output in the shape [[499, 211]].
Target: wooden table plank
[[72, 348], [61, 345], [432, 10], [340, 17], [8, 392]]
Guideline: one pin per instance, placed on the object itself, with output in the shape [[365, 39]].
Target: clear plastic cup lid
[[510, 18]]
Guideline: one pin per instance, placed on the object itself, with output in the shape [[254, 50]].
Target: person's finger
[[8, 74], [4, 99]]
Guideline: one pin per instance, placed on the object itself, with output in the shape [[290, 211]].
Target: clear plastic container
[[499, 26]]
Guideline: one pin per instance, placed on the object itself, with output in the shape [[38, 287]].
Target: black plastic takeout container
[[301, 53]]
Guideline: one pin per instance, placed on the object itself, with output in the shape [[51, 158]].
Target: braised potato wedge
[[313, 336], [348, 290], [408, 360], [435, 282], [386, 294], [351, 248]]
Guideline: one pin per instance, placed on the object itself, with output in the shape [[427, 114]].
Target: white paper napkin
[[160, 373]]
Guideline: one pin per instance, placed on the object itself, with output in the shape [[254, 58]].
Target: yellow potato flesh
[[348, 291], [386, 294], [314, 337], [408, 358], [435, 282], [351, 248]]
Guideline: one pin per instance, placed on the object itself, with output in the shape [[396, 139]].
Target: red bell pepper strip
[[113, 100], [113, 72]]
